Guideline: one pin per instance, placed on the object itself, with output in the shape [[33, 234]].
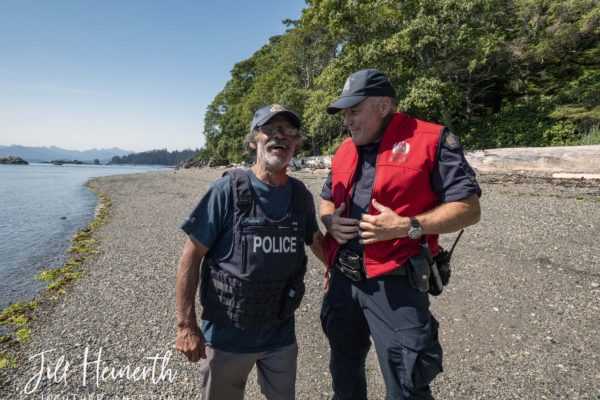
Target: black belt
[[351, 265], [399, 271]]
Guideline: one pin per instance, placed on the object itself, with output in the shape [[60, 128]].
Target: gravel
[[519, 320]]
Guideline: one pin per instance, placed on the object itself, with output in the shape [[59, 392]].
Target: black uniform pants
[[404, 332]]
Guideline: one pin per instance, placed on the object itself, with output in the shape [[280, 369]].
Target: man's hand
[[385, 226], [190, 342], [341, 229]]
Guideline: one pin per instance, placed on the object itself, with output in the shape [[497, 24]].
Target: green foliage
[[6, 360], [520, 123], [48, 274], [16, 312], [322, 132], [12, 318], [590, 137], [16, 321], [23, 335], [499, 72], [560, 134]]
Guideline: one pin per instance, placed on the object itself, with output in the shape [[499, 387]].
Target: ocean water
[[41, 208]]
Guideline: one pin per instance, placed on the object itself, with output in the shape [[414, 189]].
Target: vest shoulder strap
[[243, 198], [299, 196], [240, 188]]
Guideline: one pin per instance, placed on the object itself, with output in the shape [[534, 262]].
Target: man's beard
[[270, 161]]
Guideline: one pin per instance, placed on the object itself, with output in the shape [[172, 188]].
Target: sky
[[133, 74]]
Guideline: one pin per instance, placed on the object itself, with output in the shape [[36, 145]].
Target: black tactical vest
[[260, 282]]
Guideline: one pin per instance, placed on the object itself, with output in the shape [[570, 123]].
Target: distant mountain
[[41, 154]]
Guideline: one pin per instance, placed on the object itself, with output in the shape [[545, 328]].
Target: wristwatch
[[414, 232]]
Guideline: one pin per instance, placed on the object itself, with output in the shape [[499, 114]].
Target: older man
[[394, 185], [249, 229]]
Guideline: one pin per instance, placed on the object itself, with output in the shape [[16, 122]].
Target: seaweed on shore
[[15, 319]]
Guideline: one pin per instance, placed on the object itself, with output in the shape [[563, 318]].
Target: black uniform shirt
[[452, 178]]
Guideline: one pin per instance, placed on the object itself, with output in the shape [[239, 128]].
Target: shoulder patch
[[451, 141]]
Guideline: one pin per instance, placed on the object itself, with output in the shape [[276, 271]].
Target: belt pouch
[[418, 273]]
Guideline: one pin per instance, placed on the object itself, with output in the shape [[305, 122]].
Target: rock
[[316, 162], [61, 162], [13, 160], [195, 163], [190, 163]]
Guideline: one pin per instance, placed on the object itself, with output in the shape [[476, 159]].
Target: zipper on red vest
[[369, 208], [375, 182]]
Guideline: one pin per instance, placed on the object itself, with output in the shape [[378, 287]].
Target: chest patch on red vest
[[399, 152], [401, 148]]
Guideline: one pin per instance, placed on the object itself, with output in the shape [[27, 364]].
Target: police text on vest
[[273, 244]]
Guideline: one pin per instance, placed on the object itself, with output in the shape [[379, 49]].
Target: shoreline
[[19, 317], [129, 275], [43, 208]]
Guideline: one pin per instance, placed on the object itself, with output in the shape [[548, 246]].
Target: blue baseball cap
[[359, 86], [263, 115]]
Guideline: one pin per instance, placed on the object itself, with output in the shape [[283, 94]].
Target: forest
[[499, 73], [155, 157]]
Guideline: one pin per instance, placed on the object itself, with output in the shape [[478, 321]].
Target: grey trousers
[[225, 374]]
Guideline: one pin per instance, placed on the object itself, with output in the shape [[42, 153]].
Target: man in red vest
[[394, 186]]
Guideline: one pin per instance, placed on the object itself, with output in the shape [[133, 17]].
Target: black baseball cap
[[263, 115], [359, 86]]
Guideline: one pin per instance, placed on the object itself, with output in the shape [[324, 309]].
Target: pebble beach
[[519, 320]]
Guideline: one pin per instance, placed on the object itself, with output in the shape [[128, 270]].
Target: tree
[[498, 72], [156, 157]]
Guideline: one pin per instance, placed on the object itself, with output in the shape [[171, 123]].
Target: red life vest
[[406, 157]]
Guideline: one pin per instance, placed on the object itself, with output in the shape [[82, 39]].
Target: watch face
[[414, 233]]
